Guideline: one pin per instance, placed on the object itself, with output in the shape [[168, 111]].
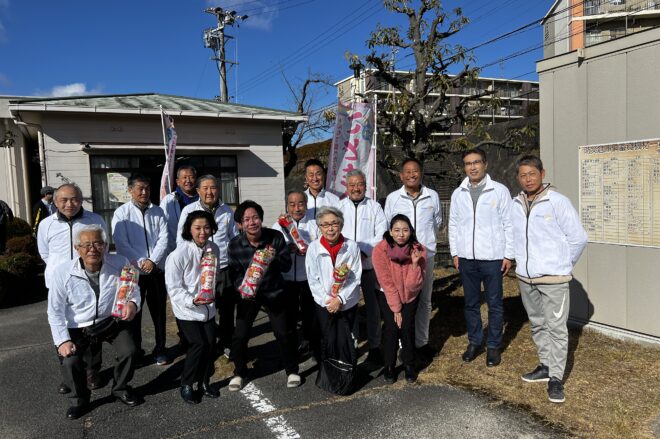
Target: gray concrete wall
[[611, 95]]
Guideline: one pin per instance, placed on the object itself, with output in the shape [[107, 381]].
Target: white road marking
[[276, 424]]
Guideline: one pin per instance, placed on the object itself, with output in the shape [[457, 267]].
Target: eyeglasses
[[474, 163], [88, 245], [334, 225]]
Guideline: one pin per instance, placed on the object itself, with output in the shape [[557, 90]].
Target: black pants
[[279, 314], [200, 336], [392, 333], [73, 367], [303, 310], [153, 290], [226, 298], [323, 317]]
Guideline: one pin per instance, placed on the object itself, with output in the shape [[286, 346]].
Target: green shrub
[[18, 227], [21, 264]]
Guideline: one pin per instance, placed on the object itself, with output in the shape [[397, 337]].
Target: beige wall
[[257, 145], [611, 95]]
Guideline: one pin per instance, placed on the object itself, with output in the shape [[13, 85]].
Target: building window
[[110, 175], [592, 37]]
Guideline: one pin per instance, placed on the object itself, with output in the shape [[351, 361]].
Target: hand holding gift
[[288, 224], [206, 291], [256, 272], [340, 274], [128, 280]]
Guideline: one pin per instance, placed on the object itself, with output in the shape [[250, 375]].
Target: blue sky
[[90, 47]]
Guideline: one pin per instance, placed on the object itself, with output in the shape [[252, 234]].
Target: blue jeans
[[473, 273]]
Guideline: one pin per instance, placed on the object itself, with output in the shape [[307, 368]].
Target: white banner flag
[[352, 147], [169, 139]]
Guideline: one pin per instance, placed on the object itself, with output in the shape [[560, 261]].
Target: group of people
[[310, 267]]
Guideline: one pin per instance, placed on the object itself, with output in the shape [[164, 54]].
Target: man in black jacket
[[43, 208], [270, 292]]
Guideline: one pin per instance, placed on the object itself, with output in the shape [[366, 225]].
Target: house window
[[110, 175]]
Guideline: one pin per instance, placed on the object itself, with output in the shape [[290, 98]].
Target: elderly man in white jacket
[[56, 247], [481, 246], [139, 231], [177, 200], [80, 303], [549, 239], [422, 206], [365, 223]]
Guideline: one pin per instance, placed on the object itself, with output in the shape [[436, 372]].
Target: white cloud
[[74, 89], [260, 14]]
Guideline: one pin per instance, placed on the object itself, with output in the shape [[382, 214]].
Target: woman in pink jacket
[[399, 261]]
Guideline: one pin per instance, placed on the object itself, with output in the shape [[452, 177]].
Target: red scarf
[[332, 249]]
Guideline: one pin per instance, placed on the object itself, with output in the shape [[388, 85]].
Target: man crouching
[[80, 312]]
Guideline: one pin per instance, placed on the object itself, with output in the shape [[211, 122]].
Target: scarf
[[184, 199], [333, 249], [399, 254]]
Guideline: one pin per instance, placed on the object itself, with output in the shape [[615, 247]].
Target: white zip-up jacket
[[182, 275], [71, 299], [483, 233], [318, 264], [324, 198], [140, 235], [309, 232], [424, 213], [364, 224], [227, 229], [55, 238], [548, 237]]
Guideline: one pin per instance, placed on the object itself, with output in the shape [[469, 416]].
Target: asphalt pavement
[[30, 406]]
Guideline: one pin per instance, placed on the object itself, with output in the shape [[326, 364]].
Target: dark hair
[[245, 205], [476, 150], [188, 168], [529, 160], [412, 160], [314, 162], [400, 217], [194, 215], [138, 177]]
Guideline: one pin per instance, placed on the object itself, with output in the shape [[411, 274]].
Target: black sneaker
[[556, 390], [540, 374]]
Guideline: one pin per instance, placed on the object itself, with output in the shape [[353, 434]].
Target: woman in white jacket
[[325, 254], [196, 320]]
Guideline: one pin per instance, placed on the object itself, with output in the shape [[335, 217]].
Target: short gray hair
[[90, 228], [328, 210], [203, 178], [73, 186], [356, 173], [295, 191]]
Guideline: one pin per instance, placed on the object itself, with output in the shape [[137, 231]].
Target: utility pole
[[214, 39]]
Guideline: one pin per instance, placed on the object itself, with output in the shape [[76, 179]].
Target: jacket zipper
[[355, 225], [474, 230], [295, 258], [144, 228], [70, 239]]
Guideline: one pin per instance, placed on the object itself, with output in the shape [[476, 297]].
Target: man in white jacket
[[422, 206], [226, 297], [176, 201], [139, 231], [548, 241], [56, 247], [295, 280], [317, 196], [80, 305], [365, 223], [481, 246]]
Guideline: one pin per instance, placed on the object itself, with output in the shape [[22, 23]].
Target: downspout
[[40, 140], [10, 175]]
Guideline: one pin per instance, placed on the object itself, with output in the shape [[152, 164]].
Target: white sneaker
[[235, 384], [292, 380]]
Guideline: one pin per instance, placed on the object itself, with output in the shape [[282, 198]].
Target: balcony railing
[[599, 7]]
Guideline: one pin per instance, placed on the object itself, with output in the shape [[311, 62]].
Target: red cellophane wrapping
[[128, 280], [290, 226], [339, 274], [256, 272], [206, 292]]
